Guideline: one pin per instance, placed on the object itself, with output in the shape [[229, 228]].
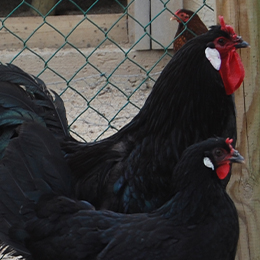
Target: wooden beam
[[244, 188], [139, 23]]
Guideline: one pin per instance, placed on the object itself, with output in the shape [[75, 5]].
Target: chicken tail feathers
[[25, 98]]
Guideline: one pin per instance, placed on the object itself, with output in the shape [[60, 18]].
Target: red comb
[[227, 28], [229, 142]]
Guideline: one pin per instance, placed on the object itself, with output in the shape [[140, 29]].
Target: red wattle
[[222, 171], [232, 72]]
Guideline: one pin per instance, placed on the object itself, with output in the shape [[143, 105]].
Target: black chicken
[[131, 170], [190, 102], [187, 31], [40, 218]]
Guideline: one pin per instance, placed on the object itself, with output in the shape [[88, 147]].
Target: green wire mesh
[[84, 89]]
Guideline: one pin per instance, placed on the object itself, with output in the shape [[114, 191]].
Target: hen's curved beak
[[173, 18], [242, 44], [237, 157]]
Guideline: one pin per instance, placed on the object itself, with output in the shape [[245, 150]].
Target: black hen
[[131, 170], [40, 218], [190, 102]]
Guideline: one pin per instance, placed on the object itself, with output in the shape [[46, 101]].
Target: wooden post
[[244, 187], [162, 29], [43, 6]]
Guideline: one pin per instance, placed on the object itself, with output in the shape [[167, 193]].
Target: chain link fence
[[106, 82]]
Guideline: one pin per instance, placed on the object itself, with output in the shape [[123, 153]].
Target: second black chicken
[[41, 219]]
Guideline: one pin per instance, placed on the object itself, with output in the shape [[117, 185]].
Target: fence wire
[[91, 90]]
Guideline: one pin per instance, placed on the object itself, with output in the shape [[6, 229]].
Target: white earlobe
[[208, 163], [214, 57]]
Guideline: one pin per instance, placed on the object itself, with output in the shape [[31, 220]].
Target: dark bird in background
[[131, 171], [41, 218], [190, 25]]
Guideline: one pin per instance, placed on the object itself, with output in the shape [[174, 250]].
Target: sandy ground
[[101, 95]]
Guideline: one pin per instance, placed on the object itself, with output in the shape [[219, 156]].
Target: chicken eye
[[184, 17], [218, 152], [221, 41]]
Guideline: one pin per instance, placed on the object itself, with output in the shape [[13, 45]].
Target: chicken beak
[[173, 18], [242, 44], [236, 157]]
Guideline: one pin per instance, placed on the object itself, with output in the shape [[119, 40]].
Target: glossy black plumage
[[131, 170], [41, 219], [188, 104]]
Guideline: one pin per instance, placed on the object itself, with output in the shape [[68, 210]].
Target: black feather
[[34, 98]]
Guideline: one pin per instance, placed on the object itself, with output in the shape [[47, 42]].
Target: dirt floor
[[98, 102]]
